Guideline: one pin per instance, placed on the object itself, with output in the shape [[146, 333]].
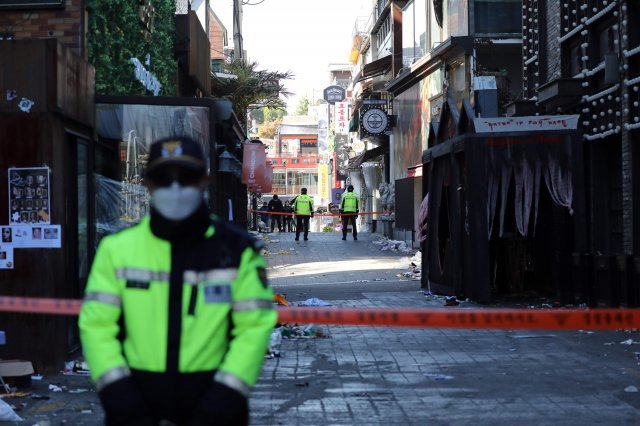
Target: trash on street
[[314, 301]]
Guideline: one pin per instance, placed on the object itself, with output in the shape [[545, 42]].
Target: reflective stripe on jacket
[[303, 205], [350, 202], [186, 307]]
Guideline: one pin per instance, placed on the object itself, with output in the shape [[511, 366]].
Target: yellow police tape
[[550, 319]]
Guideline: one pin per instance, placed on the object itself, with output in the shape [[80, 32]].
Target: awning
[[375, 68], [354, 123], [356, 161]]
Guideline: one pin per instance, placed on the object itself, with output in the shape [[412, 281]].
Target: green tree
[[116, 34], [267, 114], [251, 87], [303, 106], [257, 114], [273, 114]]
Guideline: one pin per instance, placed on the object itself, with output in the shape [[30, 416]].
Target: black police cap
[[176, 151]]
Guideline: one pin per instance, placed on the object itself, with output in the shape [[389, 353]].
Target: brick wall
[[64, 24], [216, 38]]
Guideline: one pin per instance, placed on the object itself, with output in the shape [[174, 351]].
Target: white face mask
[[176, 202]]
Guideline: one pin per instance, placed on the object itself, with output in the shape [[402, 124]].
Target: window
[[435, 83], [435, 31], [279, 178], [414, 28], [384, 38], [455, 17], [573, 64], [498, 16], [217, 65], [606, 44]]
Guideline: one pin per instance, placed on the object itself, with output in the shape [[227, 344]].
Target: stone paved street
[[382, 376], [405, 376]]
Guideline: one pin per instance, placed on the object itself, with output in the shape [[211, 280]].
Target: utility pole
[[238, 44]]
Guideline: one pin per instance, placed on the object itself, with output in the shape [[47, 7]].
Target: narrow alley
[[346, 375]]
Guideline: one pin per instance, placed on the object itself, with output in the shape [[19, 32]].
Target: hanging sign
[[374, 120], [254, 167], [333, 94], [29, 195], [342, 118], [323, 181], [342, 158]]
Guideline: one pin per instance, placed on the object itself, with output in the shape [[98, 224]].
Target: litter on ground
[[314, 301]]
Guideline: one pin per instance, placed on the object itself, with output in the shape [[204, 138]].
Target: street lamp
[[225, 162]]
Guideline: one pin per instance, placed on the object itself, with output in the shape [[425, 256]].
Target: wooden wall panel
[[35, 140], [51, 76]]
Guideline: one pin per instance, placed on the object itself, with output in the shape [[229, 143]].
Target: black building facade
[[583, 57]]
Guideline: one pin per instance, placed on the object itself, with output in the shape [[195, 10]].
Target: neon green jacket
[[204, 306], [303, 205], [350, 202]]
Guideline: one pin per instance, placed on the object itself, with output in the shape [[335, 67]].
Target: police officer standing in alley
[[349, 209], [276, 207], [303, 209], [177, 312]]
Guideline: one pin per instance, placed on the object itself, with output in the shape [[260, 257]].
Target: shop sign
[[145, 77], [333, 94], [254, 168], [381, 102], [336, 195], [323, 181], [342, 157], [374, 120], [358, 146], [534, 123], [342, 118]]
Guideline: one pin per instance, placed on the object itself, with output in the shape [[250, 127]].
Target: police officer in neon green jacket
[[177, 313], [349, 208], [303, 209]]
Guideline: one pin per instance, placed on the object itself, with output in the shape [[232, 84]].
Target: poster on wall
[[6, 257], [29, 200], [35, 236]]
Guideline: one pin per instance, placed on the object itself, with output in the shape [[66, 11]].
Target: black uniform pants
[[276, 218], [302, 222], [345, 224]]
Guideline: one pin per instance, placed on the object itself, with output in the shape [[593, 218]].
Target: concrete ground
[[359, 375]]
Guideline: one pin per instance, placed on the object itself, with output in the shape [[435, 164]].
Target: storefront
[[47, 151], [506, 205], [129, 124]]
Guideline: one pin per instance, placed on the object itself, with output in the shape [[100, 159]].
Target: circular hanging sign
[[374, 120], [358, 146]]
